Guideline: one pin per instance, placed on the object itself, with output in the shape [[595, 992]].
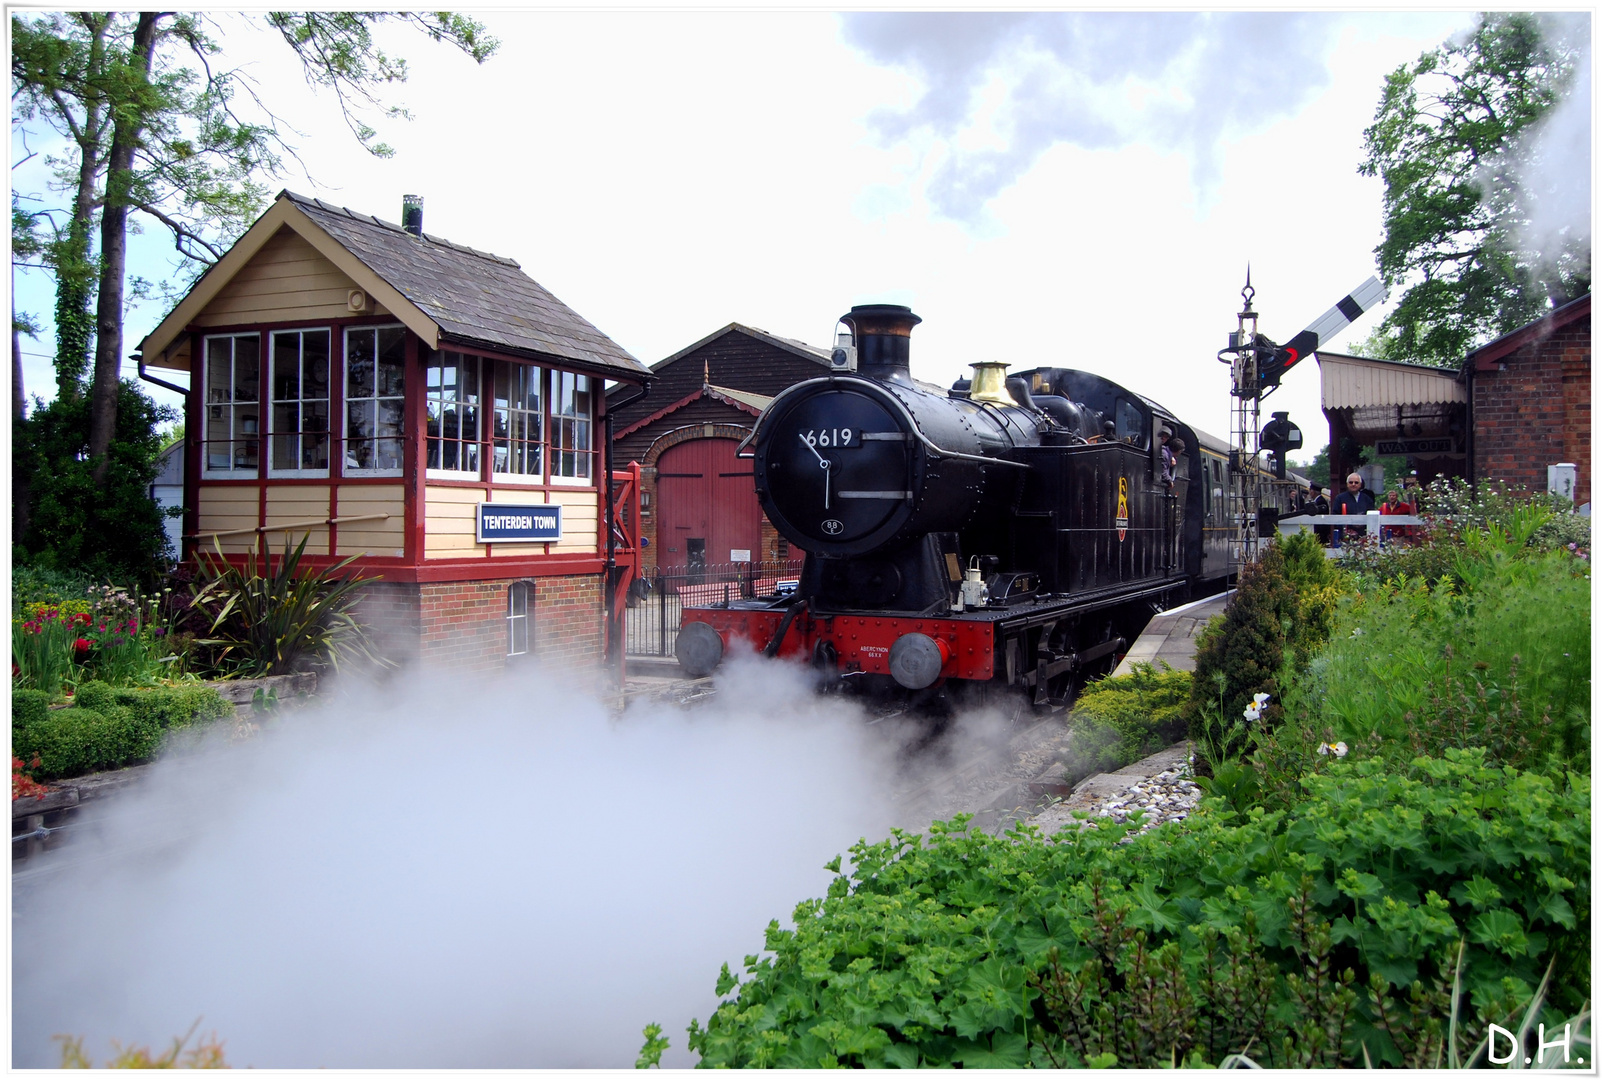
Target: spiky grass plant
[[274, 616]]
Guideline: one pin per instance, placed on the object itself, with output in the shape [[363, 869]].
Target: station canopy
[[1394, 407]]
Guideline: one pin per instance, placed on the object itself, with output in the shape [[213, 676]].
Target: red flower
[[82, 645], [83, 617]]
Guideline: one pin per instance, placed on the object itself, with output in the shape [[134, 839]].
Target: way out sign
[[506, 523]]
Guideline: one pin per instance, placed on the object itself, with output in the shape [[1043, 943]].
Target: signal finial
[[1248, 293]]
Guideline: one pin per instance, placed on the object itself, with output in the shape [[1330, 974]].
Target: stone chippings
[[1171, 795]]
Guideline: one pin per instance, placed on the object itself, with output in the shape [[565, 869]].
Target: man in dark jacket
[[1312, 501], [1354, 500]]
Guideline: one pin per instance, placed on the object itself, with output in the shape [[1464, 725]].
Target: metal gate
[[658, 597]]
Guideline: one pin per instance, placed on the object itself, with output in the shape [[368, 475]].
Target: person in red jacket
[[1392, 505]]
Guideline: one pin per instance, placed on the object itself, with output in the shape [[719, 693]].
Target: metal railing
[[658, 597]]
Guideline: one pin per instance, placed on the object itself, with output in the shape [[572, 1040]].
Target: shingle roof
[[475, 298]]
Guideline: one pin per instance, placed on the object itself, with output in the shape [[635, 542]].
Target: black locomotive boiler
[[1012, 531]]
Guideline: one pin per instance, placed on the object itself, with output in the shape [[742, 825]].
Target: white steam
[[446, 875], [1551, 168]]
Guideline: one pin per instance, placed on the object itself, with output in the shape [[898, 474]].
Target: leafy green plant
[[271, 619], [1384, 916], [1501, 660], [1120, 719], [1239, 654]]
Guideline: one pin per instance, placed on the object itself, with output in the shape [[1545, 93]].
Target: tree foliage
[[157, 124], [1457, 141], [114, 530]]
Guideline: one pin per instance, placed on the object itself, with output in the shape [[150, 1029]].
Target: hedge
[[106, 727]]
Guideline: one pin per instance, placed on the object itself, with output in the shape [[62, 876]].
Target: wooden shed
[[699, 503], [427, 407]]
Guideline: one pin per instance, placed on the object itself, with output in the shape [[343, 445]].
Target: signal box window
[[300, 403], [570, 428], [375, 400], [518, 424], [233, 405], [517, 620], [454, 400]]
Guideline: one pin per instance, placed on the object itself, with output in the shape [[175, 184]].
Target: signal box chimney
[[412, 214]]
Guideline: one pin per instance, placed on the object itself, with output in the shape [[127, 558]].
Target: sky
[[1071, 189]]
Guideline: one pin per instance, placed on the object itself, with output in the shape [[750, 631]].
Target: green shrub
[[71, 742], [164, 706], [32, 585], [1502, 660], [1382, 913], [1240, 654], [1142, 713], [107, 727], [28, 707]]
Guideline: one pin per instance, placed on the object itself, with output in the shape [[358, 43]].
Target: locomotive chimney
[[884, 338]]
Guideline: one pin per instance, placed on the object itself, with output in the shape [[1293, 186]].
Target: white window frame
[[232, 404], [273, 401], [435, 359], [518, 618], [538, 375], [553, 447], [342, 444]]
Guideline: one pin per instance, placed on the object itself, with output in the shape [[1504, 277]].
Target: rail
[[311, 523]]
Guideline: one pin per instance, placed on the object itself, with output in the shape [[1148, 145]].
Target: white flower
[[1336, 748], [1252, 713], [1260, 699]]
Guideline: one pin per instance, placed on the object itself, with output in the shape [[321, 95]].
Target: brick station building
[[1530, 399], [425, 407], [1513, 407]]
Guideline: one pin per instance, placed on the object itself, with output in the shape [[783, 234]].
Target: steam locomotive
[[1011, 532]]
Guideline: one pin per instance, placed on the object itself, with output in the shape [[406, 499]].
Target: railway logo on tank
[[832, 526], [1122, 521]]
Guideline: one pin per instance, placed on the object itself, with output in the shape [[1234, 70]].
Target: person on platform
[[1392, 506], [1354, 500], [1313, 502]]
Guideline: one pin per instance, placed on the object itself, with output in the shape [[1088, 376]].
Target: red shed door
[[708, 507]]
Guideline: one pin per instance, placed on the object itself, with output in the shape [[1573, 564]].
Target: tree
[[109, 528], [1457, 141], [155, 130]]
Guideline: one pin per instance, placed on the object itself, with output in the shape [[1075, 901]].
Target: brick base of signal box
[[462, 625]]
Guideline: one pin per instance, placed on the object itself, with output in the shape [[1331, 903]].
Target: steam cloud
[[1553, 174], [1098, 80], [463, 875]]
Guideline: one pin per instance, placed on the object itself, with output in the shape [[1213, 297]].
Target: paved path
[[1171, 636]]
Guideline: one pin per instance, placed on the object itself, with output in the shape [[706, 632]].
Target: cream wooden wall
[[287, 280]]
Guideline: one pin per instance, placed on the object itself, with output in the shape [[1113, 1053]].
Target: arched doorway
[[708, 512]]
